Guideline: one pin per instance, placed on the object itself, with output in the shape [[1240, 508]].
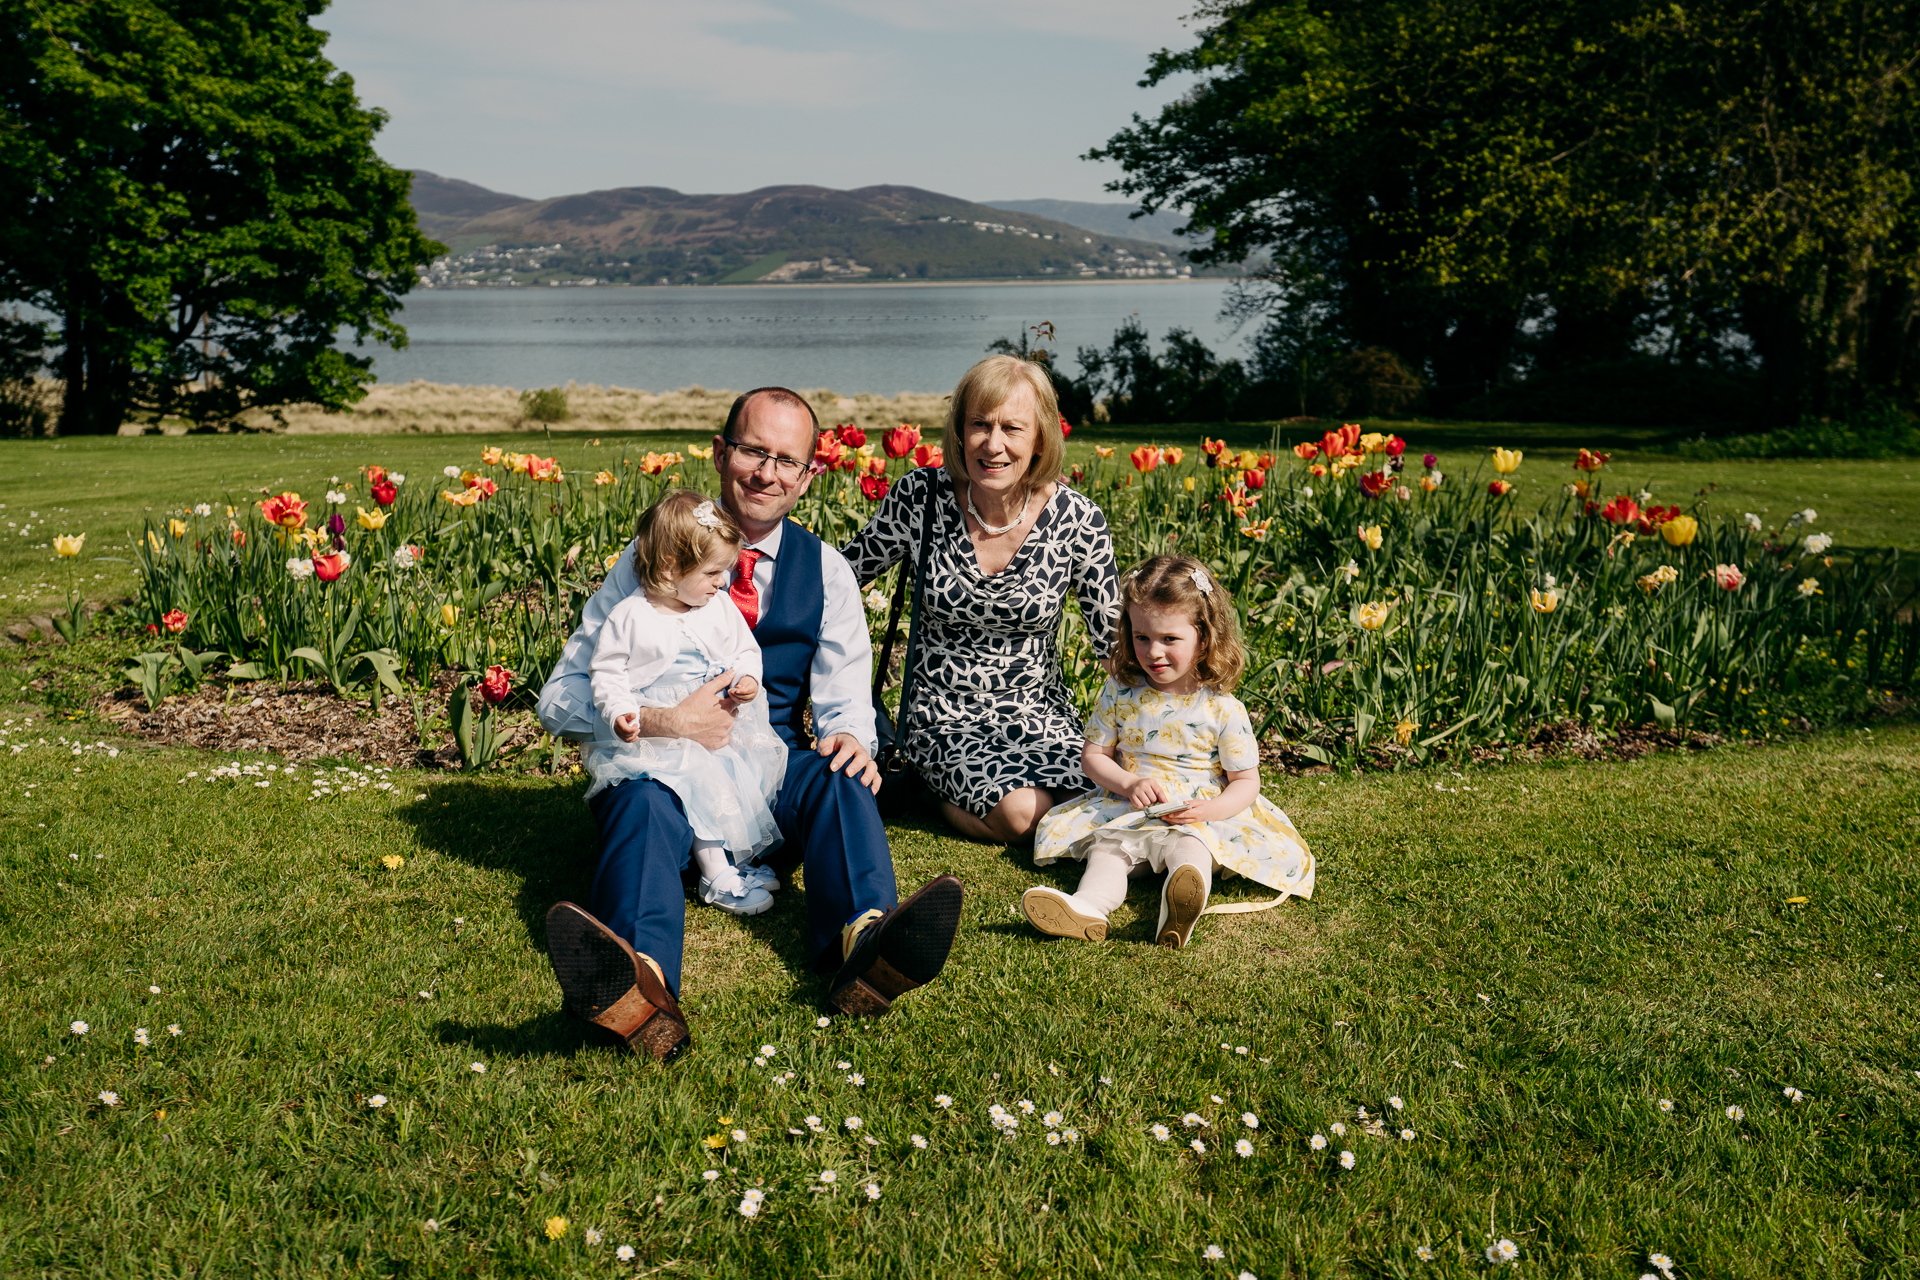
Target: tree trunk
[[97, 390]]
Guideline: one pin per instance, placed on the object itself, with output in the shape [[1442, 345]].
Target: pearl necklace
[[988, 529]]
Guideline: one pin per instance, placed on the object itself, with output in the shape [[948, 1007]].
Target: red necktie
[[742, 590]]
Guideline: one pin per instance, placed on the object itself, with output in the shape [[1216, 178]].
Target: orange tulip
[[1145, 458]]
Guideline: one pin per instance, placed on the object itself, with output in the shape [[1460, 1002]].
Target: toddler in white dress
[[657, 647]]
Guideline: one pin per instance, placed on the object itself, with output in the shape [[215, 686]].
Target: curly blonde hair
[[1168, 582], [670, 540]]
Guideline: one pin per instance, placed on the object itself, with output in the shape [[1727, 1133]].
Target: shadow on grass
[[547, 1035], [538, 832]]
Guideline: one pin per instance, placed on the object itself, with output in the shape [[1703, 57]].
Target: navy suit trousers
[[646, 843]]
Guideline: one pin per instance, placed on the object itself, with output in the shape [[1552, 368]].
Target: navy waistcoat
[[789, 631]]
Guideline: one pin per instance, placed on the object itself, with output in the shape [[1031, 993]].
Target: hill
[[1112, 218], [655, 235]]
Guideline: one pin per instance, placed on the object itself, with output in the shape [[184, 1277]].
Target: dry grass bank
[[439, 408]]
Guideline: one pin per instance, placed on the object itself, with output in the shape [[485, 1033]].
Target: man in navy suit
[[619, 962]]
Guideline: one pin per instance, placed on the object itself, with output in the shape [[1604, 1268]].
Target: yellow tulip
[[178, 528], [702, 452], [1187, 484], [69, 544], [1545, 601], [1374, 616], [490, 455], [1403, 732], [1659, 578], [464, 498], [153, 540], [605, 477], [1507, 461], [449, 614], [1680, 530], [1249, 460], [1103, 451], [1370, 534], [370, 519], [1373, 442]]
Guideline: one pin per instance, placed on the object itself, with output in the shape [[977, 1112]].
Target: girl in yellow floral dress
[[1179, 770]]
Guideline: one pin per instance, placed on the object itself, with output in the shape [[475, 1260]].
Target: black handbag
[[902, 789]]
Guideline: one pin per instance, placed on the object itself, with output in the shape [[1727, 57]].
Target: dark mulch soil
[[300, 722]]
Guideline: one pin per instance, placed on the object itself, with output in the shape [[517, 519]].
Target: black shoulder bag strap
[[890, 761]]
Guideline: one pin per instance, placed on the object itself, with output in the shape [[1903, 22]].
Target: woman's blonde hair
[[676, 535], [990, 384], [1170, 582]]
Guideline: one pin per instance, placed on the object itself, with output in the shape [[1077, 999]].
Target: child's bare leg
[[1184, 897]]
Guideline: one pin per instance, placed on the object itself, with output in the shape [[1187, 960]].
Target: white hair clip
[[1203, 582], [706, 517]]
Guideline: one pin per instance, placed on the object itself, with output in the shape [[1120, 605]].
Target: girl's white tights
[[716, 867], [1104, 884]]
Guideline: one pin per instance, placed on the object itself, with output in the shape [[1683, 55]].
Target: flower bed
[[1392, 610]]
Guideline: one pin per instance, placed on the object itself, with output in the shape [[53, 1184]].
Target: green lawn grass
[[1529, 957], [105, 487]]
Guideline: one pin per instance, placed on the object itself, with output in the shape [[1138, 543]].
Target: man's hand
[[627, 727], [706, 717], [846, 750]]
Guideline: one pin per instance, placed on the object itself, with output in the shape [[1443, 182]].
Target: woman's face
[[1000, 441]]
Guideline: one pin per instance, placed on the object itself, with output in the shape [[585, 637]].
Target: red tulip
[[384, 491], [929, 455], [174, 621], [543, 469], [899, 442], [1375, 483], [827, 450], [1622, 510], [1078, 476], [1306, 450], [328, 568], [851, 436], [1066, 428], [1254, 479], [285, 510], [874, 487], [496, 686], [1500, 488], [1395, 446]]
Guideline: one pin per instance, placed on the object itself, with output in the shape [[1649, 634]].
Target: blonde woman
[[992, 728]]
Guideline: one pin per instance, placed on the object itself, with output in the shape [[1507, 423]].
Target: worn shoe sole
[[1181, 903], [1049, 911], [606, 983], [906, 949]]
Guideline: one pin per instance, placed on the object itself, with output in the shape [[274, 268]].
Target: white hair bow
[[706, 517], [1204, 583]]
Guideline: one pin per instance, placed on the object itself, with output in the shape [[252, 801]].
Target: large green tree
[[190, 189], [1486, 183]]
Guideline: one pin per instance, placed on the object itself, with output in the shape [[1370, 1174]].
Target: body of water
[[879, 339]]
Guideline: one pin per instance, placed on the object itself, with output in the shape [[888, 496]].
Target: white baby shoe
[[743, 898], [759, 873]]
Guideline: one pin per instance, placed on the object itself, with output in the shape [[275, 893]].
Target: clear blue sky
[[985, 99]]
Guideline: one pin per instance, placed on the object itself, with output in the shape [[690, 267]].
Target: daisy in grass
[[829, 1177], [710, 1175], [1243, 1148], [1199, 1147], [1338, 1129], [377, 1101], [1250, 1120], [1660, 1262], [1347, 1159], [1160, 1133], [109, 1097], [1213, 1253], [1407, 1135], [942, 1101], [624, 1253], [1396, 1104], [1503, 1251], [1423, 1253], [873, 1191], [594, 1237], [918, 1141], [1318, 1142], [1666, 1105], [1736, 1114]]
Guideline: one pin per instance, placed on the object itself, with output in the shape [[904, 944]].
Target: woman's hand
[[1145, 792]]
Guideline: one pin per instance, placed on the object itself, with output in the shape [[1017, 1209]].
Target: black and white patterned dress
[[991, 712]]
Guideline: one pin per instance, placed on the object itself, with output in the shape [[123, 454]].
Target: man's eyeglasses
[[788, 469]]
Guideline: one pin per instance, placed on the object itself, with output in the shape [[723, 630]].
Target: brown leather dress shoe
[[904, 949], [609, 984]]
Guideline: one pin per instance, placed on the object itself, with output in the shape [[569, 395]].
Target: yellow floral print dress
[[1188, 744]]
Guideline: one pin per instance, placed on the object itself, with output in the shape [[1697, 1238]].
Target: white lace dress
[[646, 658]]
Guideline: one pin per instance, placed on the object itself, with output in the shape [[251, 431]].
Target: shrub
[[1626, 393], [546, 405], [1886, 434], [28, 407], [1368, 382]]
